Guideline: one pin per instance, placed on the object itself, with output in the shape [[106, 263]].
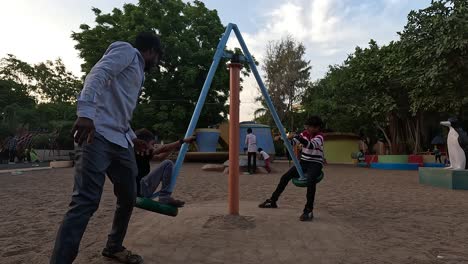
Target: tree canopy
[[287, 76], [38, 97], [190, 33], [400, 91]]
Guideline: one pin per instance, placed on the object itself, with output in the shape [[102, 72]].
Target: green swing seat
[[153, 206], [303, 182]]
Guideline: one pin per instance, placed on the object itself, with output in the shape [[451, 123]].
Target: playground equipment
[[457, 144], [207, 139], [234, 68], [303, 182], [263, 133], [153, 206], [455, 176], [399, 162], [207, 142], [338, 146]]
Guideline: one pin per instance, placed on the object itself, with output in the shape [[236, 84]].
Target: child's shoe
[[171, 201], [268, 204], [307, 215]]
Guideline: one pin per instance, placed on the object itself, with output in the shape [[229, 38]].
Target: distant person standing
[[251, 145], [107, 145], [361, 156], [438, 155], [12, 143]]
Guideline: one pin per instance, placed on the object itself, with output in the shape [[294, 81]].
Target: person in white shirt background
[[251, 147]]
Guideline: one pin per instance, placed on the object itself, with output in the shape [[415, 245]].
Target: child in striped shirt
[[311, 161]]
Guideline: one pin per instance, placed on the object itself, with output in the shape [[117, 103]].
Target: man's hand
[[82, 130], [189, 140], [142, 147]]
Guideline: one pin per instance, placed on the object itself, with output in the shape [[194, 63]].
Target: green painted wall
[[393, 158], [339, 150]]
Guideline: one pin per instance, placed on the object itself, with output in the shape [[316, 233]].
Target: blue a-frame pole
[[268, 101], [201, 101], [206, 87]]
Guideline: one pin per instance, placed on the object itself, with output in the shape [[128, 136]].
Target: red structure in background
[[416, 159], [371, 159]]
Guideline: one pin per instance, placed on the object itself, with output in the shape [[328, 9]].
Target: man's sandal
[[124, 256]]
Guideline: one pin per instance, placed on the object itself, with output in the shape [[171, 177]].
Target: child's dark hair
[[144, 134], [249, 130], [260, 149], [314, 121]]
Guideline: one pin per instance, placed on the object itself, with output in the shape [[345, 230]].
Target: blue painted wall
[[264, 137]]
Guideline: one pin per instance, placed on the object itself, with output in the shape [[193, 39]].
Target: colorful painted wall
[[339, 146]]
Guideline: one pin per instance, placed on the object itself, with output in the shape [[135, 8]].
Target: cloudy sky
[[39, 30]]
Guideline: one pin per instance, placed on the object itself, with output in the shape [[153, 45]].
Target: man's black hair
[[148, 40], [260, 149], [314, 121], [249, 130]]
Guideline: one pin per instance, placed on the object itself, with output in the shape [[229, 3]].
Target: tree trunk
[[386, 138], [417, 136], [292, 122], [394, 134]]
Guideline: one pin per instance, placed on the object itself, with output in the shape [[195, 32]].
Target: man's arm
[[117, 57]]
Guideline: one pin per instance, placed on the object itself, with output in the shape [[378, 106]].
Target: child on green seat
[[312, 160], [147, 180]]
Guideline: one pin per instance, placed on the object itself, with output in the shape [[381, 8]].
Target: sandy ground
[[362, 216]]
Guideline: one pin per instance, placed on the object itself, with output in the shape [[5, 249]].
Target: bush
[[65, 141], [279, 148], [5, 131], [40, 141]]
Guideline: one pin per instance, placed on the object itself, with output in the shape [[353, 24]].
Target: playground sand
[[362, 216]]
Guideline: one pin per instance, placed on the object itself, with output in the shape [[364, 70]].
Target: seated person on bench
[[361, 156], [147, 180]]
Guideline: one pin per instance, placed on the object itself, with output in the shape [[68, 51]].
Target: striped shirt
[[312, 147]]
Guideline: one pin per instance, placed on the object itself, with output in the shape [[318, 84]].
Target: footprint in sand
[[229, 222], [448, 255], [16, 252]]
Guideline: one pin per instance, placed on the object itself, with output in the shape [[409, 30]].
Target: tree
[[47, 81], [37, 97], [404, 88], [54, 83], [12, 92], [190, 33], [287, 75]]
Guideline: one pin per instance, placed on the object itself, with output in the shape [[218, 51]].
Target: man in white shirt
[[251, 146]]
